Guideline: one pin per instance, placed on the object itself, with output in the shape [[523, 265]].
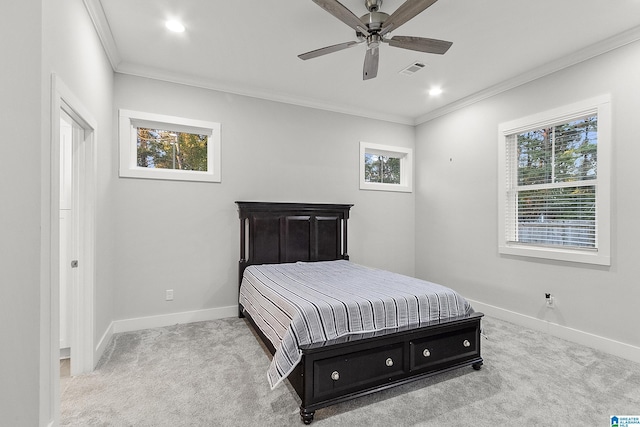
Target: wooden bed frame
[[356, 365]]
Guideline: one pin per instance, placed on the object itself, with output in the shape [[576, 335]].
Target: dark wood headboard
[[274, 233]]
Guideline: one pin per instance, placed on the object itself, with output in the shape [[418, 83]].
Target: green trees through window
[[562, 153], [556, 188], [157, 148], [384, 169]]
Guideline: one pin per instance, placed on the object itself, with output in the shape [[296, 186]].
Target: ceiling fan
[[372, 28]]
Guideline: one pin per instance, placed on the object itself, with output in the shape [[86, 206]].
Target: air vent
[[412, 69]]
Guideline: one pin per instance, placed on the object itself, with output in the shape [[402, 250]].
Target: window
[[386, 168], [163, 147], [554, 184]]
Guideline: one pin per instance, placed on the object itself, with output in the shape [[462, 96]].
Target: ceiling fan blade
[[327, 50], [420, 44], [338, 10], [404, 13], [370, 69]]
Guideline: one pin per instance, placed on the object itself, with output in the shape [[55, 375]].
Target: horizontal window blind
[[552, 185]]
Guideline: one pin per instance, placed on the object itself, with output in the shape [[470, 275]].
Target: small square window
[[385, 168], [163, 147]]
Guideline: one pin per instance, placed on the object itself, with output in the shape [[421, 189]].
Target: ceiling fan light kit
[[372, 28]]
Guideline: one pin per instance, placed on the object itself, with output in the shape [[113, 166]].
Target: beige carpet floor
[[214, 374]]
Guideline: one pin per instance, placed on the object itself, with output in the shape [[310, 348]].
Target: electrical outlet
[[169, 295], [551, 303]]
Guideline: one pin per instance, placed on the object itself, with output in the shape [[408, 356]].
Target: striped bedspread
[[303, 303]]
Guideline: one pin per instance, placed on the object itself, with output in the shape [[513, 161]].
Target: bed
[[307, 243]]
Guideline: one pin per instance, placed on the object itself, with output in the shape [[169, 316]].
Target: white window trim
[[602, 255], [406, 167], [131, 120]]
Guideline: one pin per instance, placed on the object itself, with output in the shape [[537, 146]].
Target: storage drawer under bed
[[433, 352], [333, 372], [335, 375]]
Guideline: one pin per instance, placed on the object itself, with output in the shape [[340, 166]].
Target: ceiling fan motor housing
[[373, 5], [374, 20]]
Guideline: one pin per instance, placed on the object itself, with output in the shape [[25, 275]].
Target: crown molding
[[100, 23], [98, 17], [626, 37], [243, 90]]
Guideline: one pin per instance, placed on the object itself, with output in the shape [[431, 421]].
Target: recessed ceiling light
[[435, 91], [174, 26]]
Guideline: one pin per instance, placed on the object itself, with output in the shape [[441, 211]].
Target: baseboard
[[65, 353], [159, 321], [606, 345], [102, 344]]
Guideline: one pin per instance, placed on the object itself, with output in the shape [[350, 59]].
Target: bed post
[[345, 255], [242, 263]]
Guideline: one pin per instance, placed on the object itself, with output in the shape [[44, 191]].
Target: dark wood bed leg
[[477, 366], [243, 261], [306, 416]]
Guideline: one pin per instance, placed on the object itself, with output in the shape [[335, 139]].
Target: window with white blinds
[[555, 183]]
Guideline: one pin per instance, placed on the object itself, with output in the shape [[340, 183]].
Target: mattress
[[303, 303]]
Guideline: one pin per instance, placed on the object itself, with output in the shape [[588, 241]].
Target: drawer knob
[[335, 375], [389, 362], [466, 343], [426, 352]]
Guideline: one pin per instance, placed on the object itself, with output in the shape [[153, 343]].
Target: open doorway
[[72, 272], [71, 137]]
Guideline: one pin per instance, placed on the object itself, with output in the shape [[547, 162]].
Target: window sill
[[385, 187], [585, 257], [168, 174]]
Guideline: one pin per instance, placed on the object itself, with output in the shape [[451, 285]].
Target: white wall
[[185, 235], [72, 50], [457, 202], [20, 100], [69, 47]]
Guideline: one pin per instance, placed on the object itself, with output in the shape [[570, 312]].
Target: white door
[[66, 174], [70, 137]]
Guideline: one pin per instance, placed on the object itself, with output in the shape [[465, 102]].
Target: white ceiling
[[250, 47]]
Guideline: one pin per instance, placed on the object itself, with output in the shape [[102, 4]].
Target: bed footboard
[[357, 365], [338, 371]]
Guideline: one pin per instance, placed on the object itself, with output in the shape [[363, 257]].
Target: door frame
[[82, 297]]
